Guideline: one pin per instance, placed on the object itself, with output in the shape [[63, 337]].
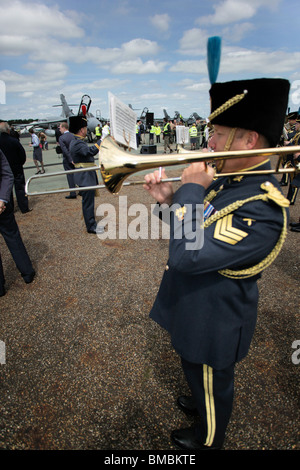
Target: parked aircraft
[[188, 121], [49, 125]]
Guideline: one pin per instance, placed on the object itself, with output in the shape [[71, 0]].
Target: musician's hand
[[161, 192], [198, 173], [2, 206]]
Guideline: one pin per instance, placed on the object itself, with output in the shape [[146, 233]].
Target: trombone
[[115, 165]]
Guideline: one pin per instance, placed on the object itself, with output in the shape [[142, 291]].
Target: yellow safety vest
[[167, 129], [193, 131]]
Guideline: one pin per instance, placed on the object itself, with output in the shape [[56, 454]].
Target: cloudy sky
[[148, 53]]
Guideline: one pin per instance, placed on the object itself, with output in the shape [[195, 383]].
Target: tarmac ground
[[86, 369]]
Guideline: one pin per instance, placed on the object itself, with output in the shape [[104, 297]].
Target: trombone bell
[[116, 165]]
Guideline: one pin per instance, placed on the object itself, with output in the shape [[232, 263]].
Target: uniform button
[[167, 268]]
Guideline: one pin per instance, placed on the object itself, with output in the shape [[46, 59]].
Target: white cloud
[[37, 20], [234, 33], [161, 22], [202, 86], [239, 61], [139, 47], [189, 66], [230, 11], [137, 66], [48, 70], [153, 96], [47, 77], [259, 62], [193, 42]]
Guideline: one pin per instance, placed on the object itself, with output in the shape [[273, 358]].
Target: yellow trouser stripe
[[294, 194], [209, 404]]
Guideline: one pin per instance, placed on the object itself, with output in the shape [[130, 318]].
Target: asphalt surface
[[86, 369]]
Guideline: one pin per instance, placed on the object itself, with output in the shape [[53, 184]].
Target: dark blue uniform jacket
[[210, 317], [82, 153]]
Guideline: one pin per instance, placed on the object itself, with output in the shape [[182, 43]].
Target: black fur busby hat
[[76, 123], [259, 105]]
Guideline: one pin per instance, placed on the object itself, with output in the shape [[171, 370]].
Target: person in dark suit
[[83, 156], [9, 228], [64, 142], [289, 134], [16, 156], [208, 296]]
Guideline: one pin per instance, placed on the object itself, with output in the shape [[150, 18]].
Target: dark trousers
[[289, 162], [22, 199], [88, 209], [11, 234], [70, 177], [212, 391]]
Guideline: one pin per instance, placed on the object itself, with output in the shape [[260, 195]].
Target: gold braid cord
[[232, 101], [245, 273]]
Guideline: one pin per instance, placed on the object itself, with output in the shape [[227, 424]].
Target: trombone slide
[[115, 165]]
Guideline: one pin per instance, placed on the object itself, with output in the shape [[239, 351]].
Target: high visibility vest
[[152, 130], [193, 131], [98, 131], [137, 129], [157, 130], [167, 129]]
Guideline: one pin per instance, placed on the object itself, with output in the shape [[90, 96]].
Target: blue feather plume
[[213, 57]]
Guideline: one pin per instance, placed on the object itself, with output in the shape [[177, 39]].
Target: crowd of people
[[166, 133]]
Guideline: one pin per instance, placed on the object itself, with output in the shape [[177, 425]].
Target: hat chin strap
[[220, 163]]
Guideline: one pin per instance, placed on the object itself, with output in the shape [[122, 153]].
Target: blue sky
[[147, 53]]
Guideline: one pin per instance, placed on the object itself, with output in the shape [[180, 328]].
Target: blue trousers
[[70, 177], [212, 391], [88, 209]]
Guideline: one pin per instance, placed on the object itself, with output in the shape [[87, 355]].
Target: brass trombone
[[115, 165]]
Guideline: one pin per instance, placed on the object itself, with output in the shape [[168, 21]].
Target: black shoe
[[27, 210], [188, 405], [296, 228], [283, 184], [186, 439], [29, 278], [96, 230], [295, 224], [70, 197]]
